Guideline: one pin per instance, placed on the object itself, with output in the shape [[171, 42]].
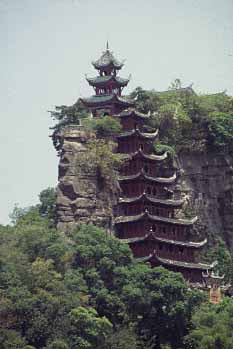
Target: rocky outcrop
[[206, 180], [79, 197]]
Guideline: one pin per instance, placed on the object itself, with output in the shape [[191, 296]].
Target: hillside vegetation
[[84, 291], [186, 121]]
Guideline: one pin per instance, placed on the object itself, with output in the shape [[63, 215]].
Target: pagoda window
[[160, 246], [153, 228], [146, 169], [135, 125], [148, 190], [164, 230], [170, 248], [141, 146], [154, 191], [181, 249]]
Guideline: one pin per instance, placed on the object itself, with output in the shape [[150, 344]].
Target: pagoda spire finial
[[107, 46]]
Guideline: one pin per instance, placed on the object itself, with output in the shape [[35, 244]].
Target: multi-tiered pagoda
[[147, 212]]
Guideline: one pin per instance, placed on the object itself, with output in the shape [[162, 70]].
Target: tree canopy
[[84, 290]]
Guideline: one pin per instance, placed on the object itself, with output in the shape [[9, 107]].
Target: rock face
[[206, 181], [79, 198]]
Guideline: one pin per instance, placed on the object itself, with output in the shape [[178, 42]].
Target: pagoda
[[108, 87], [147, 216]]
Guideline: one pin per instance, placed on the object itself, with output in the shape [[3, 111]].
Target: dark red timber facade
[[146, 216]]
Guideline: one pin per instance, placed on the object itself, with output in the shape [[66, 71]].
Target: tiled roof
[[193, 244], [188, 265], [143, 175], [143, 215], [144, 196], [153, 157], [167, 241], [137, 132], [132, 112], [99, 80], [181, 264], [102, 99], [106, 59]]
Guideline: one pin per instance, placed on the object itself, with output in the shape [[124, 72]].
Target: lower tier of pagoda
[[180, 250], [192, 272]]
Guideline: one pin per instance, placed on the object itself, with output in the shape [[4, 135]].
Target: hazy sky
[[47, 47]]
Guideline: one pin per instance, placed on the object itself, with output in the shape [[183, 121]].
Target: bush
[[161, 148], [106, 126], [220, 127]]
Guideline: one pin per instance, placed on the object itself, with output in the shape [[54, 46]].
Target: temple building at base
[[146, 217]]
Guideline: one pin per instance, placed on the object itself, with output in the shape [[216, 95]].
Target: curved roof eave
[[143, 215], [149, 198], [142, 174], [147, 135]]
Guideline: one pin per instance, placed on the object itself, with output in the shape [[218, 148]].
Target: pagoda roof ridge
[[142, 174], [98, 80], [102, 99], [146, 214], [193, 244], [188, 89], [107, 58], [167, 202], [132, 111], [190, 244], [136, 131], [188, 265], [176, 263], [152, 157], [212, 275]]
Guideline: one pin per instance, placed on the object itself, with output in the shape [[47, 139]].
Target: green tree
[[104, 127], [88, 330], [220, 127], [47, 207], [100, 159], [212, 327]]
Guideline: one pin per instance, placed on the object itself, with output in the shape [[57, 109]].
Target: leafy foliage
[[104, 127], [186, 120], [212, 327], [220, 127], [224, 257], [84, 290], [67, 115], [100, 158], [47, 203], [161, 148]]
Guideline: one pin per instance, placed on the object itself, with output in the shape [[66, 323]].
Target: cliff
[[206, 181], [80, 198]]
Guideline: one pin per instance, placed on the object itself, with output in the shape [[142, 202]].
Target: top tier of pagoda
[[108, 87]]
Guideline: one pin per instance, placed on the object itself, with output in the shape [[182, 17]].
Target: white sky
[[47, 46]]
